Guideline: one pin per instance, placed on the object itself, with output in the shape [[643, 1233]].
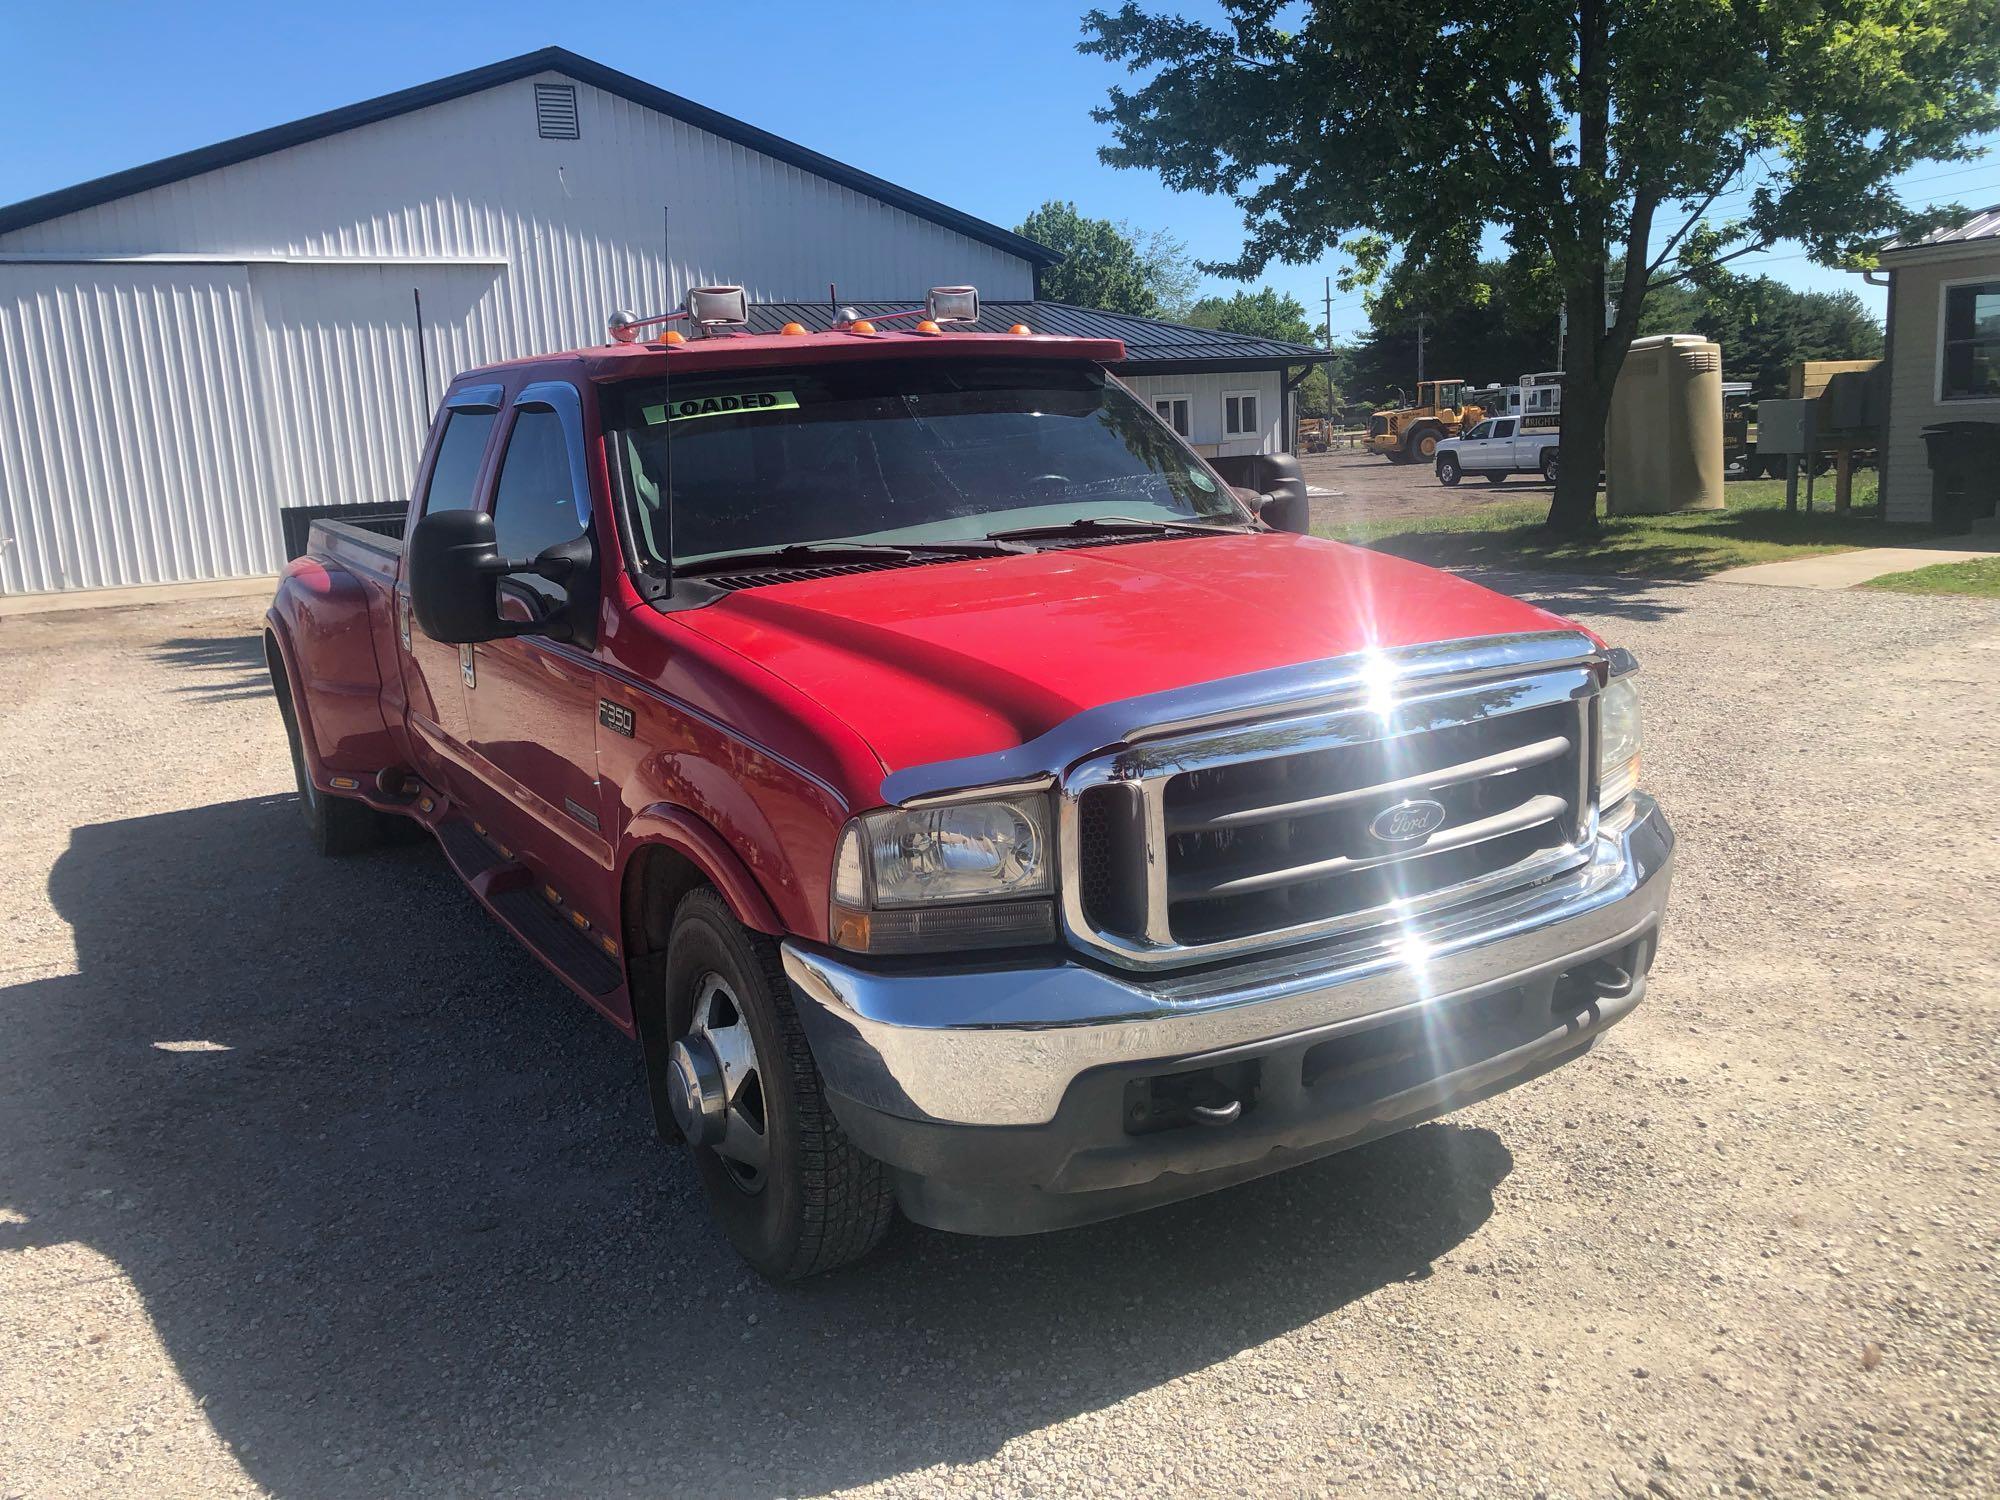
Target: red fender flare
[[680, 830]]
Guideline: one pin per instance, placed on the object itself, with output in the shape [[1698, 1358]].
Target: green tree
[[1265, 313], [1582, 130], [1109, 265], [1487, 322]]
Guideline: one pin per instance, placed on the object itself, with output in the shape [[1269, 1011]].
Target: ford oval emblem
[[1407, 822]]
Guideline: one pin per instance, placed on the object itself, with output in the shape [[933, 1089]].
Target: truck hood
[[945, 660]]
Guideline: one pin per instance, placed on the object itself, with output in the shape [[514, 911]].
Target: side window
[[1239, 414], [1504, 429], [457, 466], [534, 507]]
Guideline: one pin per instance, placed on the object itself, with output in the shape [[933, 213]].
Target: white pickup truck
[[1499, 446]]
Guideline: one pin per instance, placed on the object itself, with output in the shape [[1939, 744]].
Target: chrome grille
[[1247, 835]]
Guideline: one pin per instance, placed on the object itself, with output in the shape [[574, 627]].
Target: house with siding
[[191, 347], [1944, 351]]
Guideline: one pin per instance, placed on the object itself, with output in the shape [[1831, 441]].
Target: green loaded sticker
[[736, 404]]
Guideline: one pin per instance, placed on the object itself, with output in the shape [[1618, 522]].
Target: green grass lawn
[[1754, 528], [1979, 577]]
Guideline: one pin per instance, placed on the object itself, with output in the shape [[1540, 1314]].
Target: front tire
[[1424, 443], [1447, 469], [1551, 465], [792, 1193]]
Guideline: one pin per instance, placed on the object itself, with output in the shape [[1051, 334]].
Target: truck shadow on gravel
[[392, 1201]]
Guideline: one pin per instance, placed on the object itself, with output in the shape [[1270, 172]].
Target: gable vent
[[555, 111]]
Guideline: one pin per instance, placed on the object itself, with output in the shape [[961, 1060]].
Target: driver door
[[531, 701]]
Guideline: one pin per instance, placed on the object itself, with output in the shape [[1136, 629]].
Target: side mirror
[[453, 565], [1286, 511]]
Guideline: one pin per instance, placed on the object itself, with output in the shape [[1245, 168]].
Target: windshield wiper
[[1112, 526], [805, 554]]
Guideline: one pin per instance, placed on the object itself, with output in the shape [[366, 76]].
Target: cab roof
[[750, 351]]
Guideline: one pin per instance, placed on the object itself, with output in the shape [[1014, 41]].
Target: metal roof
[[547, 60], [1152, 345], [1983, 225]]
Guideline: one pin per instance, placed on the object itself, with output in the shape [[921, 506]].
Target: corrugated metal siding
[[128, 447], [153, 416]]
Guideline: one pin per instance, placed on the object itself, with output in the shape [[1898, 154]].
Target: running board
[[510, 891]]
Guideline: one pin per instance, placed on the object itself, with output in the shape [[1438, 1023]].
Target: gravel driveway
[[311, 1183]]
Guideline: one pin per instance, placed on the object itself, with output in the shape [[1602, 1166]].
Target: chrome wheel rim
[[744, 1145]]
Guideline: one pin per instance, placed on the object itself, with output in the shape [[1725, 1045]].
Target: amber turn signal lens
[[1020, 328], [793, 330], [862, 326], [675, 336], [927, 326]]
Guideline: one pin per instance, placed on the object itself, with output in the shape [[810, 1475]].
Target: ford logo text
[[1407, 822]]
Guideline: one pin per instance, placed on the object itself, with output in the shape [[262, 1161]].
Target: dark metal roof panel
[[1983, 225], [1148, 341], [548, 60]]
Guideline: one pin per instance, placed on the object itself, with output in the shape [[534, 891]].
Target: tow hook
[[1600, 979]]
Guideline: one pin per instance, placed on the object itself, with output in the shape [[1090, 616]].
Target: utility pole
[[1420, 353], [1329, 313]]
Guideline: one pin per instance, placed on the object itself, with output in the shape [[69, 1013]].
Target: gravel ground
[[312, 1184], [1369, 488]]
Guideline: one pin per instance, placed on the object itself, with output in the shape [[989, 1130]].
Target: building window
[[1971, 342], [1176, 412], [1239, 415], [555, 111]]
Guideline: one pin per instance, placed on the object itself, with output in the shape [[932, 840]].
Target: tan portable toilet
[[1663, 442]]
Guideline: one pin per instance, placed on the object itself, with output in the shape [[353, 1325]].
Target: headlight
[[965, 874], [1618, 735]]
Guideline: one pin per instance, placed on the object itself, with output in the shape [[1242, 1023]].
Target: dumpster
[[1965, 472]]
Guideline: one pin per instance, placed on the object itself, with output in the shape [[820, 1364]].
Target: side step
[[511, 890], [551, 935], [470, 854]]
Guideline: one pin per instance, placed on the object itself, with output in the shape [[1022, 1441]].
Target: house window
[[1239, 415], [1971, 354], [1176, 412]]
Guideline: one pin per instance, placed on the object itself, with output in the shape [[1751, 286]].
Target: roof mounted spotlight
[[952, 304], [717, 307], [625, 326]]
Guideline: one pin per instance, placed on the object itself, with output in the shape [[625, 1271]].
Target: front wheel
[[1447, 469], [793, 1194], [1424, 443], [1551, 465]]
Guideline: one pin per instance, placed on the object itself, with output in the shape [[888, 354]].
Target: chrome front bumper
[[1002, 1044]]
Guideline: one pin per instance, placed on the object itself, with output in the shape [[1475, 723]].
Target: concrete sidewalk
[[1843, 570]]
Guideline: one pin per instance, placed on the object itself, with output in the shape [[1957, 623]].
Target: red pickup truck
[[969, 801]]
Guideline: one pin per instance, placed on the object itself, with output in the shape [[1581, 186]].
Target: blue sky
[[93, 88]]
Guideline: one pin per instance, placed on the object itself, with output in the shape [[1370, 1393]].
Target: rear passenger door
[[1499, 449], [434, 672]]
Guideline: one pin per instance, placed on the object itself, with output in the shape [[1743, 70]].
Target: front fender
[[675, 828]]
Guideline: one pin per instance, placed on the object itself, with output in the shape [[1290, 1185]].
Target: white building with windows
[[1943, 342], [191, 347]]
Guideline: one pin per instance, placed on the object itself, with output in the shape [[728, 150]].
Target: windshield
[[897, 451]]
